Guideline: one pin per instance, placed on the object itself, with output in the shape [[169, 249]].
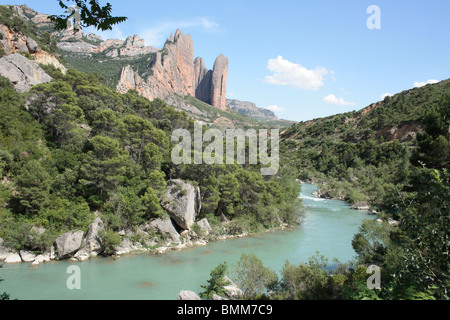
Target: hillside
[[364, 156], [168, 73], [79, 159]]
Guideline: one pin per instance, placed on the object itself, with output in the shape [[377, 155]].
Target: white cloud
[[422, 84], [384, 95], [157, 35], [295, 75], [332, 99], [275, 108], [345, 91]]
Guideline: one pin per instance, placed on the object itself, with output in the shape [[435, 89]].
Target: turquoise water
[[328, 227]]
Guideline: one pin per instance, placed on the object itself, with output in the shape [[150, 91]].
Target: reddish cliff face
[[174, 71], [219, 83]]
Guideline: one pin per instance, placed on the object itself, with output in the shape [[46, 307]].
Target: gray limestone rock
[[23, 73], [188, 296], [68, 243], [93, 242], [165, 227], [182, 202]]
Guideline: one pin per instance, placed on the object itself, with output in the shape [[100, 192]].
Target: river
[[328, 227]]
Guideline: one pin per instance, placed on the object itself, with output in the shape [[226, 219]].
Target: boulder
[[23, 73], [68, 243], [215, 297], [13, 258], [41, 258], [360, 206], [164, 227], [93, 242], [232, 290], [393, 223], [127, 246], [4, 251], [82, 254], [182, 202], [32, 45], [204, 226], [188, 296], [27, 256]]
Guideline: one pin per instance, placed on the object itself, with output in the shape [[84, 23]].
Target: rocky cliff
[[251, 110], [12, 42], [174, 71], [22, 72]]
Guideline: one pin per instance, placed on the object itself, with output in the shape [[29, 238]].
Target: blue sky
[[303, 59]]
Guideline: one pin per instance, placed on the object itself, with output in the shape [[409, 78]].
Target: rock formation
[[174, 71], [251, 110], [182, 202], [14, 42], [186, 295], [219, 83], [23, 73], [203, 78], [68, 243]]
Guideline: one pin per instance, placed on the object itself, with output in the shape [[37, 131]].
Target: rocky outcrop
[[75, 42], [204, 226], [166, 228], [68, 243], [203, 78], [232, 290], [403, 132], [182, 202], [93, 241], [219, 83], [42, 57], [135, 46], [174, 71], [250, 110], [360, 206], [13, 42], [13, 258], [130, 80], [23, 73], [27, 256]]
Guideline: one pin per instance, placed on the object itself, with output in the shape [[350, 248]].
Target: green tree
[[252, 277], [306, 281], [217, 283], [91, 14], [425, 224], [105, 165]]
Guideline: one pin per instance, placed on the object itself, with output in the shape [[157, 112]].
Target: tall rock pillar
[[219, 83]]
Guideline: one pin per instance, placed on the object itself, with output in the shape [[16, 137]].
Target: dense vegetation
[[365, 155], [412, 177], [73, 149]]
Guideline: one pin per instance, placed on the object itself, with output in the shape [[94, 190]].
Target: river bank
[[89, 246], [328, 227]]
